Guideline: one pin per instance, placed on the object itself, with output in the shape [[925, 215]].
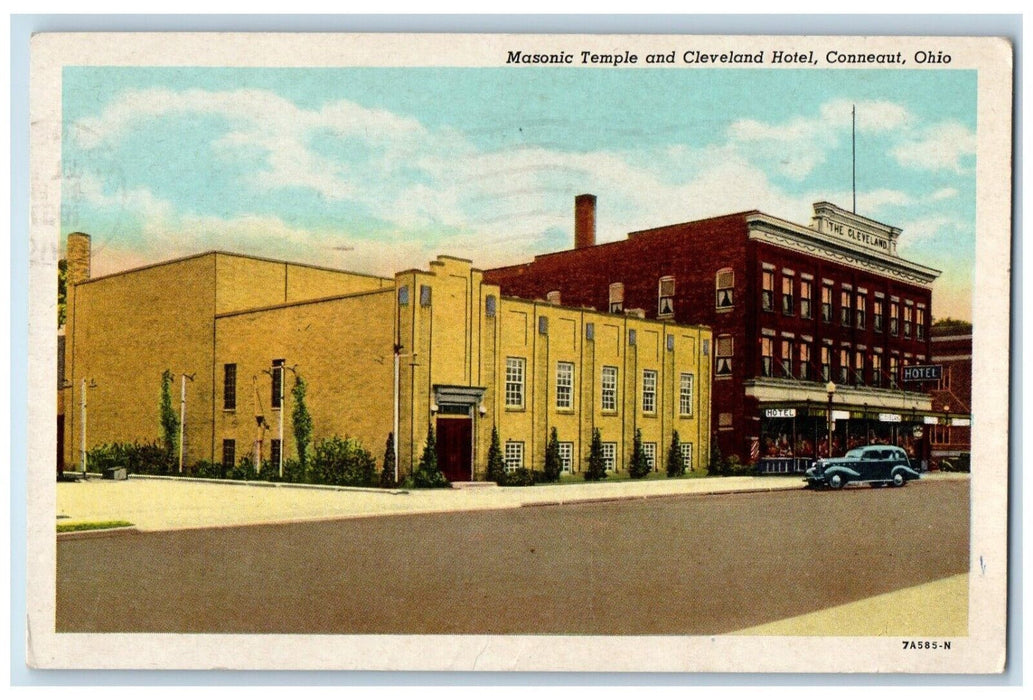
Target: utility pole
[[183, 415]]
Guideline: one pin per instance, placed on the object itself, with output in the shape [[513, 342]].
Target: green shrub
[[496, 466], [244, 470], [294, 472], [639, 467], [596, 470], [387, 473], [205, 469], [301, 420], [553, 463], [736, 468], [342, 462], [675, 465], [148, 458], [522, 476], [427, 475]]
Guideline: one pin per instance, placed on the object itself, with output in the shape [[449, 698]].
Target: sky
[[382, 169]]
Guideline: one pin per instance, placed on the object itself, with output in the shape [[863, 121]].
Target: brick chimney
[[78, 257], [584, 221]]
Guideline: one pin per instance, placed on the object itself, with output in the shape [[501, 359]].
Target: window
[[844, 307], [877, 315], [859, 367], [786, 358], [805, 361], [806, 297], [229, 387], [826, 303], [566, 456], [403, 295], [424, 295], [844, 366], [649, 451], [944, 383], [543, 325], [908, 312], [894, 370], [609, 385], [686, 455], [274, 452], [515, 382], [277, 391], [632, 337], [514, 455], [685, 391], [788, 303], [489, 306], [767, 290], [617, 298], [860, 309], [649, 391], [826, 363], [229, 454], [877, 379], [766, 359], [589, 331], [723, 350], [564, 385], [665, 304], [610, 456], [894, 317], [725, 282], [920, 323]]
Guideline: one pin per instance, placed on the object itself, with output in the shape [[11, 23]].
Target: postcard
[[519, 352]]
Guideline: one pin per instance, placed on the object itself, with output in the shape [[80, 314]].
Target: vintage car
[[877, 465]]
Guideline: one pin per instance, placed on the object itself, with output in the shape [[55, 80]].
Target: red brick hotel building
[[807, 321]]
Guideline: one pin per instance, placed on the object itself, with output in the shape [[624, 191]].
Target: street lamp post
[[183, 415], [831, 389]]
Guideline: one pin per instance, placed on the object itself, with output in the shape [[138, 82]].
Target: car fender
[[842, 470], [908, 472]]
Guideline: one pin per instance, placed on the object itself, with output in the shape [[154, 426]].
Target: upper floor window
[[424, 295], [859, 367], [920, 323], [229, 387], [403, 295], [806, 297], [788, 301], [860, 310], [844, 307], [786, 360], [649, 391], [685, 394], [894, 373], [277, 392], [766, 359], [489, 306], [725, 282], [877, 311], [564, 385], [908, 312], [665, 303], [877, 378], [805, 362], [723, 355], [609, 389], [826, 363], [894, 317], [767, 291], [844, 366], [617, 298], [515, 382], [826, 303]]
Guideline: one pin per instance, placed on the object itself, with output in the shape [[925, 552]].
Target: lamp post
[[830, 388], [283, 406], [946, 424], [82, 419], [183, 415]]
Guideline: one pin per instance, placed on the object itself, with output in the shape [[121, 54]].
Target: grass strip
[[100, 525]]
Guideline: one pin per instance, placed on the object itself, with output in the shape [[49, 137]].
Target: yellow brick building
[[467, 360]]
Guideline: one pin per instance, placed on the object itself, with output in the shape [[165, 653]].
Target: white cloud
[[939, 147], [944, 193], [925, 228]]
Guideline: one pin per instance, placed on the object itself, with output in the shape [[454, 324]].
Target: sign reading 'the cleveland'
[[857, 230], [921, 373]]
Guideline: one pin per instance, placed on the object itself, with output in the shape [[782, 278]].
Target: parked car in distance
[[877, 465]]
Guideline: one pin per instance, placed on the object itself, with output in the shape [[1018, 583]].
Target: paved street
[[676, 565]]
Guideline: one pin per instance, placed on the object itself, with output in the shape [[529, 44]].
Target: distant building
[[952, 395], [441, 346], [793, 308]]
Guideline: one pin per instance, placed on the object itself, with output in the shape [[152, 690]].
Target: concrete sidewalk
[[170, 504]]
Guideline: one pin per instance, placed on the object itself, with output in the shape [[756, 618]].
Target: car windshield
[[854, 453]]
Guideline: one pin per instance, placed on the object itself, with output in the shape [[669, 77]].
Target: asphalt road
[[677, 565]]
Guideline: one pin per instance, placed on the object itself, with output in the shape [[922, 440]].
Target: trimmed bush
[[639, 467], [387, 473], [675, 465], [522, 476], [427, 475], [205, 469], [553, 463], [496, 466], [342, 462], [135, 458], [596, 470]]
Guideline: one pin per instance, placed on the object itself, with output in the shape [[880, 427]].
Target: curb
[[268, 484], [631, 497], [100, 532]]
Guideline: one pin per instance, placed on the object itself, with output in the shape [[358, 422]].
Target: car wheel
[[837, 481], [898, 479]]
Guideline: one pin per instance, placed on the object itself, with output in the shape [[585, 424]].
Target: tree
[[387, 474], [496, 465], [62, 291], [639, 466], [301, 420], [169, 419], [953, 325], [427, 473], [675, 465], [553, 463], [596, 470]]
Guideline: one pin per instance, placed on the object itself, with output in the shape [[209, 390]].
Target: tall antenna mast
[[853, 153]]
